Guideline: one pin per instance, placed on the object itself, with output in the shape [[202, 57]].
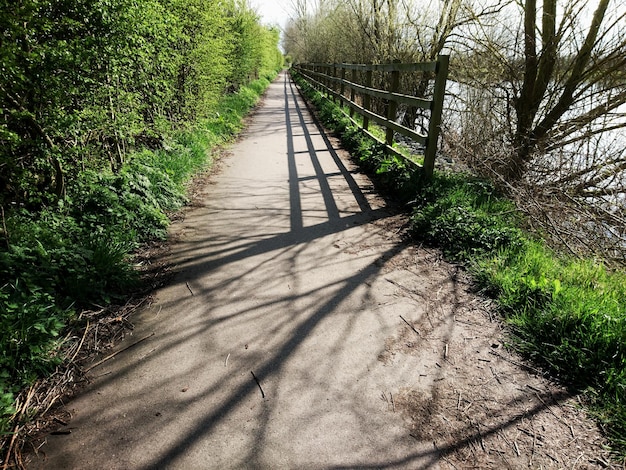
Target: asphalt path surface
[[268, 344]]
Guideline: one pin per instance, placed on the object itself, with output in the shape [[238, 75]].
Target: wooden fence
[[358, 94]]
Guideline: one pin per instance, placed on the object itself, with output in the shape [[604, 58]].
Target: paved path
[[289, 271]]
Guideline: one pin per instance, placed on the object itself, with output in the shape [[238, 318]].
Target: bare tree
[[571, 79], [541, 112]]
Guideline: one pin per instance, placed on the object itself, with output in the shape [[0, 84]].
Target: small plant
[[464, 216], [31, 324]]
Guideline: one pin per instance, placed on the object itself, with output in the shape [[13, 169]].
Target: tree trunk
[[539, 71]]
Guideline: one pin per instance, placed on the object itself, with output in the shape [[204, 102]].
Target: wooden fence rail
[[331, 80]]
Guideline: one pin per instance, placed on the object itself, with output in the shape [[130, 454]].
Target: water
[[592, 168]]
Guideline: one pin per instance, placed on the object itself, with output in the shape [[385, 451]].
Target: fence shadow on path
[[282, 323], [296, 125]]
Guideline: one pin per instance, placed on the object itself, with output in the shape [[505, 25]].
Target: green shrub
[[31, 323], [464, 216], [79, 252]]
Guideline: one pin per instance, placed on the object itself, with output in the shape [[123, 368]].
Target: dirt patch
[[479, 404]]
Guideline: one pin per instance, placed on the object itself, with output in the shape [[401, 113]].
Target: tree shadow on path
[[278, 293]]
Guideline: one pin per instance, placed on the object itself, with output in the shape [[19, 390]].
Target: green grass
[[78, 253], [465, 217], [379, 133], [567, 315]]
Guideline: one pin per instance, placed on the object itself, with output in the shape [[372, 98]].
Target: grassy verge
[[79, 253], [567, 315]]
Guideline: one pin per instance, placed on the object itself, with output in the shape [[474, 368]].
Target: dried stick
[[110, 356], [516, 363], [80, 345], [21, 410], [259, 384], [410, 326], [406, 289]]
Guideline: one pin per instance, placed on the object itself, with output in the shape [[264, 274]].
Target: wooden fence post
[[436, 108], [320, 80], [353, 80], [333, 84], [329, 84], [392, 105], [366, 99], [342, 88]]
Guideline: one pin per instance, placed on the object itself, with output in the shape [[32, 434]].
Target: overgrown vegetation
[[566, 314], [537, 104], [78, 253], [108, 109]]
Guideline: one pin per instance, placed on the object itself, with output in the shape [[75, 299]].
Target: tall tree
[[571, 76]]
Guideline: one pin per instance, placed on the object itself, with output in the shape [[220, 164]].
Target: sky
[[272, 11]]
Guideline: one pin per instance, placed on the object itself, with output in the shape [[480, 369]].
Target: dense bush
[[78, 253], [464, 216], [84, 82]]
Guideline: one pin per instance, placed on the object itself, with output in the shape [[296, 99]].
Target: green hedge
[[78, 253]]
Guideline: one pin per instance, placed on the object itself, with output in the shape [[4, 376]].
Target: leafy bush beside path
[[78, 253]]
